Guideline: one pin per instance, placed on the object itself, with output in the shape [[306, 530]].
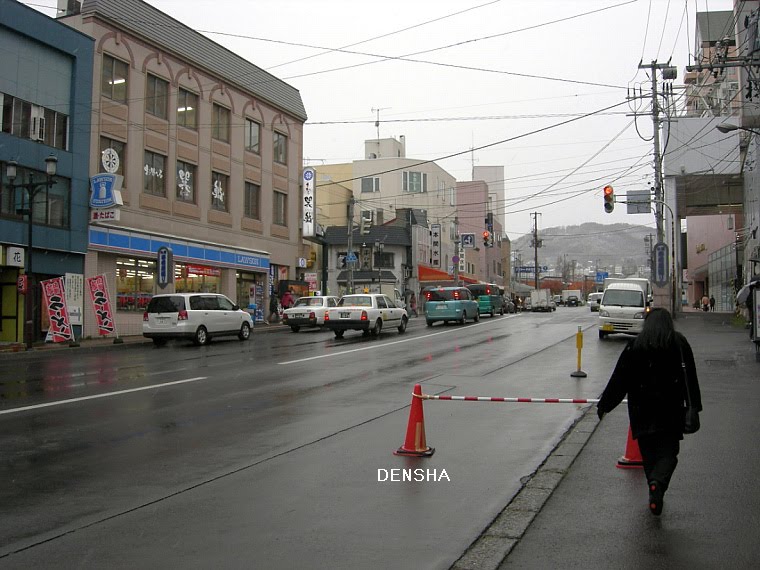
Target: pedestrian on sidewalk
[[712, 304], [274, 314], [650, 372]]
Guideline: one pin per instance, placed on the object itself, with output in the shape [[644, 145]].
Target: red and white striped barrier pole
[[514, 400]]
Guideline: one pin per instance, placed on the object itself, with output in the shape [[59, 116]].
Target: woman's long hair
[[658, 332]]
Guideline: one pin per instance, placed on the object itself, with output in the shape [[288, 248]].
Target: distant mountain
[[599, 246]]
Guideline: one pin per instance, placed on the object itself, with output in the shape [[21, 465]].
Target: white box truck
[[642, 282], [541, 300]]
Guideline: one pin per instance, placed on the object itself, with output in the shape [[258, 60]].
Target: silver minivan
[[194, 316]]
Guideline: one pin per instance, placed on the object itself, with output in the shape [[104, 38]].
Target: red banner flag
[[101, 303], [54, 296]]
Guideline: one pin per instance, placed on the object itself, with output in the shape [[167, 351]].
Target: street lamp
[[32, 187], [730, 127]]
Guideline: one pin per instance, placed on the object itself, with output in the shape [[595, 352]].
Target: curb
[[495, 543]]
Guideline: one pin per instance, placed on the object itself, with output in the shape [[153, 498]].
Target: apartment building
[[193, 148]]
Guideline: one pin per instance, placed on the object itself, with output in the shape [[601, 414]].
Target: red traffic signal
[[609, 199], [486, 238]]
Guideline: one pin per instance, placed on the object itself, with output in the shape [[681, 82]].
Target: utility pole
[[377, 125], [350, 281], [536, 244]]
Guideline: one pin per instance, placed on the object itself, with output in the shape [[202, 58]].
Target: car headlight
[[603, 313], [639, 315]]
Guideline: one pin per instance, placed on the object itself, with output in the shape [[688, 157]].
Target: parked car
[[194, 316], [508, 305], [450, 304], [593, 300], [308, 312], [369, 313]]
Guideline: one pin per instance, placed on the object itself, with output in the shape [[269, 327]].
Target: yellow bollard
[[579, 345]]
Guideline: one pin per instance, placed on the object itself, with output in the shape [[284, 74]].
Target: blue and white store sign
[[146, 245], [105, 189]]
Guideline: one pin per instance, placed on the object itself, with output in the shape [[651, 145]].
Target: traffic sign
[[468, 240], [601, 276], [351, 257]]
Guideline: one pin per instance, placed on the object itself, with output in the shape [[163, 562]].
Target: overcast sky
[[523, 72]]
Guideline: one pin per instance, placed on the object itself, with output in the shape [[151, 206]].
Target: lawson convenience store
[[128, 258]]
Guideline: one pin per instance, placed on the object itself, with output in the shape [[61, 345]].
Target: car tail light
[[364, 315], [456, 294], [327, 316], [182, 316], [312, 315], [145, 316]]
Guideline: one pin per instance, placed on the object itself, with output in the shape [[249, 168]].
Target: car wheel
[[402, 326], [492, 313], [602, 335], [159, 341], [295, 328], [477, 317], [429, 323], [201, 336], [377, 328], [339, 334], [463, 320], [501, 312], [245, 332]]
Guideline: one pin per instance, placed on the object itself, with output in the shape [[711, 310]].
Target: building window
[[33, 122], [156, 96], [414, 182], [220, 123], [153, 174], [252, 201], [114, 76], [185, 182], [371, 184], [279, 213], [219, 183], [280, 143], [121, 152], [252, 133], [187, 109], [384, 260]]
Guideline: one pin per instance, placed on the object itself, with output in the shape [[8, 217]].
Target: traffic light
[[486, 238], [609, 199], [365, 223]]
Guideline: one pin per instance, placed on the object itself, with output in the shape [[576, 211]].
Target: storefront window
[[134, 283], [193, 278]]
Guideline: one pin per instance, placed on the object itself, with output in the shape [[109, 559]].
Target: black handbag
[[691, 417]]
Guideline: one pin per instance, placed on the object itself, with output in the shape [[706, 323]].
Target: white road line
[[455, 330], [107, 395]]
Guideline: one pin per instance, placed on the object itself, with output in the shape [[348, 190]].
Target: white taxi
[[369, 312], [308, 312]]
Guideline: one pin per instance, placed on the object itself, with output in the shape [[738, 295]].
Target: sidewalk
[[103, 342], [580, 511]]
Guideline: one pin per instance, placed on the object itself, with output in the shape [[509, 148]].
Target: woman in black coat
[[649, 371]]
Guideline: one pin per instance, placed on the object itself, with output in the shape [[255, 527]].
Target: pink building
[[705, 275]]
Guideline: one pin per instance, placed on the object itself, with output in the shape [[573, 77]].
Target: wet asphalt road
[[268, 453]]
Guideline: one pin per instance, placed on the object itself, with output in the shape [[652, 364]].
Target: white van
[[593, 300], [622, 309]]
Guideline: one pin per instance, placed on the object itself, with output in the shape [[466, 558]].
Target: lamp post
[[32, 187], [730, 127]]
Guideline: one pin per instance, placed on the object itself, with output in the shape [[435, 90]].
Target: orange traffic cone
[[415, 444], [632, 457]]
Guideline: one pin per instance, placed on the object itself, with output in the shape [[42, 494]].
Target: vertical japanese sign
[[435, 240], [661, 275], [309, 197], [54, 297], [165, 269], [101, 304]]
